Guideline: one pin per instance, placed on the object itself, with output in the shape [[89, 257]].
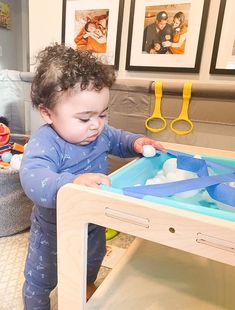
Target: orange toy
[[7, 147], [4, 131]]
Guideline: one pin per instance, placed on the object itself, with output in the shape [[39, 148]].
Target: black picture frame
[[70, 11], [221, 62], [139, 60]]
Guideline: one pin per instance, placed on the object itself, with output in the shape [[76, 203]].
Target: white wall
[[14, 41], [45, 20], [45, 24]]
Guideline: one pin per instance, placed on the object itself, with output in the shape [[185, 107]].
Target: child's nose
[[95, 123]]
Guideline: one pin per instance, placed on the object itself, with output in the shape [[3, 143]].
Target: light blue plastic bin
[[139, 171]]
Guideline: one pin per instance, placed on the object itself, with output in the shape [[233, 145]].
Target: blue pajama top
[[50, 162]]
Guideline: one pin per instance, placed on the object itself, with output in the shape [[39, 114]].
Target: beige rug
[[13, 251], [12, 257]]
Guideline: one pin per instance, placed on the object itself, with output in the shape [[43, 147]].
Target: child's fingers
[[138, 145], [92, 179], [103, 179], [158, 146]]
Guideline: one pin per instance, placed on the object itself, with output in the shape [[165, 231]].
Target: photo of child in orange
[[93, 35]]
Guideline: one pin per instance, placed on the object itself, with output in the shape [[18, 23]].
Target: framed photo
[[94, 25], [166, 35], [223, 56]]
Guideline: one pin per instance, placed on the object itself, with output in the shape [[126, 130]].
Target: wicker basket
[[15, 206]]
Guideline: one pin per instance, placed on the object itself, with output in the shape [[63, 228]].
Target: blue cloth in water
[[213, 184]]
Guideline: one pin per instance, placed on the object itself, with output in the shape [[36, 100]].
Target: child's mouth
[[92, 138]]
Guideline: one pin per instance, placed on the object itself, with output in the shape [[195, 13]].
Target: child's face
[[91, 27], [157, 46], [167, 37], [80, 116]]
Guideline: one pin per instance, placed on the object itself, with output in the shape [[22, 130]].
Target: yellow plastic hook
[[184, 111], [157, 109]]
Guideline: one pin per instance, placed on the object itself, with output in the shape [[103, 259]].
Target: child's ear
[[45, 113]]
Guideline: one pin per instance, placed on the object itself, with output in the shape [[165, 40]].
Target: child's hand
[[138, 145], [92, 179]]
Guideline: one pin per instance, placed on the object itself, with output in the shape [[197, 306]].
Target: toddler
[[70, 89]]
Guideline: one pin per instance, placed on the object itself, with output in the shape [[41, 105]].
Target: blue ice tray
[[137, 173]]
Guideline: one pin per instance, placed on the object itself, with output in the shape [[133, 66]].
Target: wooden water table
[[181, 258]]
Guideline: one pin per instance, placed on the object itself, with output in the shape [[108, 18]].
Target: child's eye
[[84, 120], [103, 116]]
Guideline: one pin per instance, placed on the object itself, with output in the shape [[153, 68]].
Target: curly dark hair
[[61, 68]]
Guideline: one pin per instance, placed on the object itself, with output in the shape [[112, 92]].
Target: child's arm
[[126, 144], [39, 172]]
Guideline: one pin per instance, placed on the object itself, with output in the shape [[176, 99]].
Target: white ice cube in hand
[[149, 150]]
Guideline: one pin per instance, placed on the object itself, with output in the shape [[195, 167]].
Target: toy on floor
[[8, 149], [110, 233]]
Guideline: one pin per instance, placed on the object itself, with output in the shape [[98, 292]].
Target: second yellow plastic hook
[[184, 111], [157, 115]]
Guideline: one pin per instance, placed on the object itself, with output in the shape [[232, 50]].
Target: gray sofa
[[212, 111], [15, 207]]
